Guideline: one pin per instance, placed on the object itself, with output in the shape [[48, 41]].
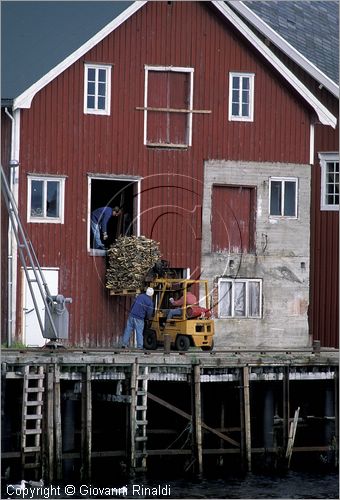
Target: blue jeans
[[174, 312], [97, 242], [137, 325]]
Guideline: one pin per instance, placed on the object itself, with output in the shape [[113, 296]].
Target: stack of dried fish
[[129, 261]]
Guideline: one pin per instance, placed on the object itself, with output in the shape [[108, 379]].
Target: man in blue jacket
[[141, 309], [99, 221]]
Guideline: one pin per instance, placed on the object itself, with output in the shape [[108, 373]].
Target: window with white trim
[[239, 298], [329, 163], [97, 89], [45, 199], [241, 97], [283, 197], [168, 103]]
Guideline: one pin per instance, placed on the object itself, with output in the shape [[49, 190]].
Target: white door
[[33, 336]]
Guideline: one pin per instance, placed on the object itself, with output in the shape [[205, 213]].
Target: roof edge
[[285, 46], [24, 100], [324, 115]]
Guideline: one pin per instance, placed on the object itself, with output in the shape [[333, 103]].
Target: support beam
[[188, 417], [133, 390], [57, 423], [247, 426], [86, 428], [49, 439], [285, 406], [198, 419]]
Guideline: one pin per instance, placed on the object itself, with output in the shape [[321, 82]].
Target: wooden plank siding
[[58, 138], [5, 158], [324, 279]]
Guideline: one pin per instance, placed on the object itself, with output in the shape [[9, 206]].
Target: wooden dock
[[209, 406]]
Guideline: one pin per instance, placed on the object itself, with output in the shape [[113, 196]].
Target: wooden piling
[[247, 426], [133, 390], [242, 424], [49, 438], [86, 427], [285, 406], [57, 423], [198, 419]]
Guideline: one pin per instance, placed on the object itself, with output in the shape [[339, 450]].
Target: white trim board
[[285, 46], [326, 118], [324, 115], [24, 100]]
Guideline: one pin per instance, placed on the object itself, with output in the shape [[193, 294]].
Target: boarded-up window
[[233, 219], [168, 101]]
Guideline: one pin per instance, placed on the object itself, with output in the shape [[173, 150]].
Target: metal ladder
[[139, 421], [31, 422], [27, 253]]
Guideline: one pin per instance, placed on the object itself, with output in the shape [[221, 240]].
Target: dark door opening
[[114, 193]]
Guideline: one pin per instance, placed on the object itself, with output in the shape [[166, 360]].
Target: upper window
[[283, 197], [168, 102], [241, 97], [45, 199], [329, 181], [239, 298], [97, 89]]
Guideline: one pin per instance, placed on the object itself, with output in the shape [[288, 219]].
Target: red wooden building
[[138, 113]]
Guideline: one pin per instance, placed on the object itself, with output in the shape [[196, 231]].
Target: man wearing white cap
[[141, 309]]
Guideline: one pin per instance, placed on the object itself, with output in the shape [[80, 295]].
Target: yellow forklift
[[194, 326]]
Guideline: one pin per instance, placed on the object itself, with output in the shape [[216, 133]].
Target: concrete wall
[[281, 258]]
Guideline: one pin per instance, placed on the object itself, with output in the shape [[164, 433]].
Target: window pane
[[236, 95], [239, 299], [245, 96], [52, 202], [235, 108], [91, 74], [101, 102], [225, 299], [245, 109], [91, 88], [236, 82], [254, 298], [90, 102], [37, 198], [289, 202], [102, 75], [275, 198], [101, 89], [245, 83]]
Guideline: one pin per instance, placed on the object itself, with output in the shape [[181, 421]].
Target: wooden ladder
[[31, 423], [139, 423]]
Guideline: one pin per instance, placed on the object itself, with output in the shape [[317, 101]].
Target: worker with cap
[[141, 309], [99, 222]]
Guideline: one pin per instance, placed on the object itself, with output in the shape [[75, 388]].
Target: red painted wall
[[58, 138], [324, 279]]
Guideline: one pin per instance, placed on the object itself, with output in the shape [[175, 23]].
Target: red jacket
[[191, 300]]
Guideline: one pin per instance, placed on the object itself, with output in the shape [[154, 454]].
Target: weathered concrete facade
[[280, 257]]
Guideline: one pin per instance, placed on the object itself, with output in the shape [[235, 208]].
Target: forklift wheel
[[150, 340], [182, 343]]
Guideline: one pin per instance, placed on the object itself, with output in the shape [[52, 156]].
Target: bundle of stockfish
[[129, 261]]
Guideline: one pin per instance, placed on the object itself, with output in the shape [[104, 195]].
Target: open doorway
[[107, 192]]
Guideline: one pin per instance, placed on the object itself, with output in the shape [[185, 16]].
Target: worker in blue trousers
[[141, 309]]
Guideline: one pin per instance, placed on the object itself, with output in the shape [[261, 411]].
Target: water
[[292, 485]]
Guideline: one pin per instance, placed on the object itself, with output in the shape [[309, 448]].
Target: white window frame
[[45, 179], [232, 284], [326, 158], [96, 110], [175, 69], [283, 180], [250, 116]]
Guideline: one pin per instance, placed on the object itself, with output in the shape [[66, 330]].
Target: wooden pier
[[196, 408]]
